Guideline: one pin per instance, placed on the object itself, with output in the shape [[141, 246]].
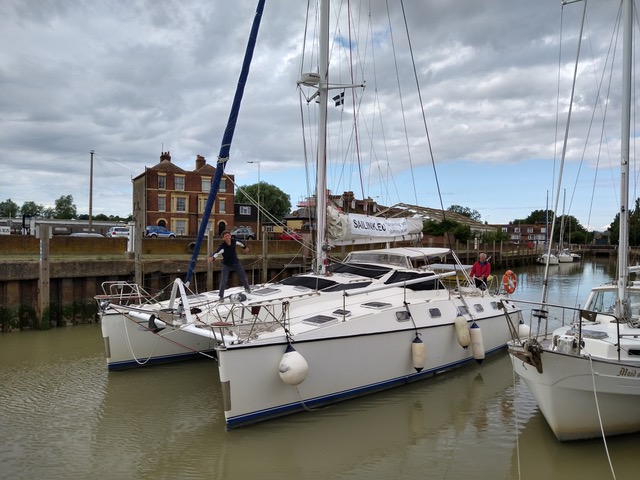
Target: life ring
[[509, 280]]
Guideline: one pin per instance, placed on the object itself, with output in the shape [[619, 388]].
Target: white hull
[[565, 394], [129, 343], [368, 353]]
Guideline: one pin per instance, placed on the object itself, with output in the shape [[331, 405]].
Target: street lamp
[[258, 232]]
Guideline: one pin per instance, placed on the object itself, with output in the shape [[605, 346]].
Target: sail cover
[[352, 228]]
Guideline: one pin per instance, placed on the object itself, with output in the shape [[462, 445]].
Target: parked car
[[290, 235], [243, 233], [159, 232], [117, 232]]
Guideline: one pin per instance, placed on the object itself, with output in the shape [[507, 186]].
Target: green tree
[[467, 212], [536, 216], [65, 208], [31, 209], [634, 226], [273, 202], [8, 208]]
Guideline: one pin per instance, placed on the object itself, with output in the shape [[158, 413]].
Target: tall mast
[[321, 174], [623, 248]]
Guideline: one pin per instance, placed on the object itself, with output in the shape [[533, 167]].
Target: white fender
[[523, 330], [293, 368], [418, 353], [477, 344], [462, 331]]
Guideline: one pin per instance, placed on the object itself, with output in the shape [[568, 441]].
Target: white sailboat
[[585, 377], [378, 319]]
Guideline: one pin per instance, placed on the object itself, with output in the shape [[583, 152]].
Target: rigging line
[[564, 152], [404, 120], [353, 102]]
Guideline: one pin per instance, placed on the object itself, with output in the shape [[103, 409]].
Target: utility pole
[[91, 194], [259, 228]]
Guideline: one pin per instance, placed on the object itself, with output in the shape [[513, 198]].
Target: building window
[[162, 182], [162, 203], [202, 204], [180, 227], [179, 204], [222, 206], [529, 229], [543, 230], [206, 184], [504, 229], [245, 210], [516, 230], [223, 185], [531, 237], [179, 183]]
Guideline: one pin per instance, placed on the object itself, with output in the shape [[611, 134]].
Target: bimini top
[[404, 257]]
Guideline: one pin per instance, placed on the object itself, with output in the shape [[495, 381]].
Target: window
[[516, 230], [179, 182], [504, 229], [202, 204], [245, 210], [179, 204], [223, 185], [463, 310], [206, 184], [531, 237], [543, 230], [478, 308], [162, 182], [529, 229], [180, 227], [162, 203], [222, 206], [435, 313]]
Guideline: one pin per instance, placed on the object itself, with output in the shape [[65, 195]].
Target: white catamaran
[[585, 377], [378, 319]]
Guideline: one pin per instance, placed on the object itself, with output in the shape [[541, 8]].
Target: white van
[[118, 232]]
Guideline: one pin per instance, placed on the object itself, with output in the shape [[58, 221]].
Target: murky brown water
[[63, 416]]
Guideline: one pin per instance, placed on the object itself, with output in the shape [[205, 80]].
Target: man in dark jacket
[[230, 261]]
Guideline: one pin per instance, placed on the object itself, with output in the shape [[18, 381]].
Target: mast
[[223, 156], [321, 173], [623, 248]]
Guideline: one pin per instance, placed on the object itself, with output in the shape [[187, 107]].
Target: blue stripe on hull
[[128, 364]]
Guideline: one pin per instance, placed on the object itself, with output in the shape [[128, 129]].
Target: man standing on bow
[[230, 261]]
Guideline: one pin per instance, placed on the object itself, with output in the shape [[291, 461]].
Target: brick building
[[170, 196]]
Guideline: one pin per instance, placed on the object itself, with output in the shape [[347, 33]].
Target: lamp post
[[258, 232]]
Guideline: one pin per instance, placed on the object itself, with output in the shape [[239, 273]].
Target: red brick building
[[170, 196]]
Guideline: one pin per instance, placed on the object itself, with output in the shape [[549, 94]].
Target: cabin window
[[376, 305], [478, 308], [435, 313], [462, 310], [318, 320], [403, 316], [494, 305]]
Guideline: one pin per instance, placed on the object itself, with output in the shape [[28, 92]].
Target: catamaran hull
[[339, 368], [565, 394], [132, 343]]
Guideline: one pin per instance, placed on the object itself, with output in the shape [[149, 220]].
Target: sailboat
[[378, 319], [585, 377]]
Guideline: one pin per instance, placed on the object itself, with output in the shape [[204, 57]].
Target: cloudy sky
[[129, 79]]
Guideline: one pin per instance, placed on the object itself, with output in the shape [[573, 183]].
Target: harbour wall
[[79, 266]]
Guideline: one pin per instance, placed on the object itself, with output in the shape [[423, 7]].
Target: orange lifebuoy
[[509, 281]]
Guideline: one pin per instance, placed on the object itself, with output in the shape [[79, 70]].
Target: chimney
[[200, 162], [165, 156]]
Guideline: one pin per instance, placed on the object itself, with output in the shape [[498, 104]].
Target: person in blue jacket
[[230, 261]]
